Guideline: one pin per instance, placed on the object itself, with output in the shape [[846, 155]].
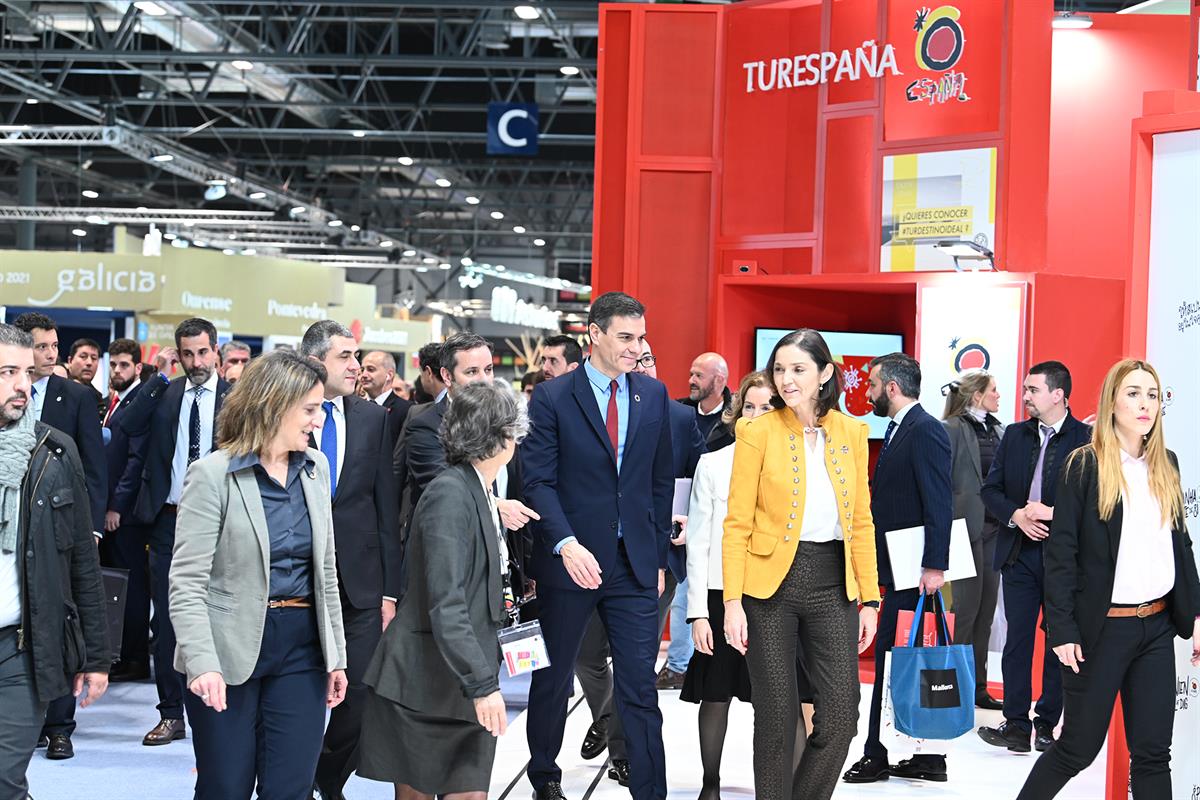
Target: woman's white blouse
[[706, 523]]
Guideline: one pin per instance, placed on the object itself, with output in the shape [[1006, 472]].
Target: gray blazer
[[221, 569], [966, 475], [441, 651]]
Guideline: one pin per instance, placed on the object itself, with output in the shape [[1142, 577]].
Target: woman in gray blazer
[[253, 589], [434, 706], [971, 402]]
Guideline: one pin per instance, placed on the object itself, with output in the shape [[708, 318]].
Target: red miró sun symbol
[[973, 356], [940, 38]]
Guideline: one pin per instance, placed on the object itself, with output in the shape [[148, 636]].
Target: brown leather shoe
[[165, 732]]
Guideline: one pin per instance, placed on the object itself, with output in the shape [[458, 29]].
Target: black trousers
[[975, 605], [339, 753], [170, 683], [1024, 592], [1135, 657]]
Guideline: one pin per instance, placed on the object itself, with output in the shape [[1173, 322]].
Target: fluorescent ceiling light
[[355, 228], [497, 215], [443, 182], [472, 200], [227, 252], [358, 134], [153, 9], [299, 209], [518, 228], [386, 243], [409, 253], [162, 158], [200, 243], [170, 237], [527, 12], [92, 219], [335, 223], [465, 261], [90, 194], [244, 66], [405, 161], [257, 195], [422, 269], [569, 70], [1069, 20], [31, 101], [249, 251], [429, 260], [443, 265], [79, 232], [539, 242]]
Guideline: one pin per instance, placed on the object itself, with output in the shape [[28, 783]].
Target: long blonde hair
[[1164, 477], [961, 392]]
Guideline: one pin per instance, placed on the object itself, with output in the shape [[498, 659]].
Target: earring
[[822, 386]]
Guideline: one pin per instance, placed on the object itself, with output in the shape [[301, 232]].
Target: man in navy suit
[[1019, 490], [911, 488], [124, 543], [179, 420], [70, 408], [597, 468]]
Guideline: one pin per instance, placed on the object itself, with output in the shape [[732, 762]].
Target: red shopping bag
[[904, 627]]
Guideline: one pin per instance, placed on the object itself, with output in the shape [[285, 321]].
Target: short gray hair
[[389, 360], [13, 336], [232, 345], [901, 368], [479, 421], [317, 339]]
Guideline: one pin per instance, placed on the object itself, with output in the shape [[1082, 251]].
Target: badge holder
[[521, 645]]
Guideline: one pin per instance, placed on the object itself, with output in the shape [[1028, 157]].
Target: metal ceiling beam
[[347, 135], [394, 60]]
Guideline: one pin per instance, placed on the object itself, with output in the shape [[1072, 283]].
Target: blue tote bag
[[933, 688]]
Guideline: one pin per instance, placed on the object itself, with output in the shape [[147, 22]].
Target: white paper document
[[683, 497], [907, 546]]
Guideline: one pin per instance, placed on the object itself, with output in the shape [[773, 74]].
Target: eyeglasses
[[647, 361]]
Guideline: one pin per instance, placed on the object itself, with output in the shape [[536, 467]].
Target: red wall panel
[[852, 22], [849, 213], [612, 125], [679, 84]]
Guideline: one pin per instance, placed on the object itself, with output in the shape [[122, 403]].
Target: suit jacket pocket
[[762, 544], [219, 601]]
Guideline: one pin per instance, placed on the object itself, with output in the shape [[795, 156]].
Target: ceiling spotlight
[[90, 194], [539, 242], [170, 237], [405, 161], [153, 9], [500, 268], [31, 101], [518, 228], [355, 228], [227, 252], [526, 12], [569, 70], [429, 260], [215, 191], [1070, 20], [497, 215], [79, 232], [386, 243], [443, 265], [358, 134], [200, 243], [466, 261], [244, 66], [162, 158], [216, 182], [472, 200], [409, 253], [249, 251], [443, 182], [422, 269], [299, 209], [257, 195], [92, 219], [335, 223]]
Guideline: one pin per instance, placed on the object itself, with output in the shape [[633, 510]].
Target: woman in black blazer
[[434, 706], [1121, 583]]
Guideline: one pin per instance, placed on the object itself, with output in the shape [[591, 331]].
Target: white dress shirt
[[10, 586], [706, 522], [39, 396], [819, 517], [1056, 426], [1146, 557], [498, 527], [383, 396], [900, 415], [208, 408]]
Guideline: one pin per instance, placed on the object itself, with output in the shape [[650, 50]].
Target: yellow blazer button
[[841, 480], [831, 451], [838, 470], [796, 491], [787, 538], [791, 516], [795, 480], [795, 458], [789, 526], [795, 504], [846, 503], [844, 493], [835, 461], [793, 446], [792, 437]]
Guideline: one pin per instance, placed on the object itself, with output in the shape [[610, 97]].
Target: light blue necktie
[[329, 445]]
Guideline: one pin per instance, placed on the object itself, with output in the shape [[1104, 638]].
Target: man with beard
[[708, 393], [124, 543], [178, 419], [82, 365]]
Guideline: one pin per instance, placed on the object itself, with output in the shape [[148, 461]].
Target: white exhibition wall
[[1172, 342]]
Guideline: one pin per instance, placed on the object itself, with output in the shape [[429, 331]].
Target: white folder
[[906, 547], [682, 498]]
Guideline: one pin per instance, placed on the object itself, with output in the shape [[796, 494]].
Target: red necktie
[[610, 421], [112, 404]]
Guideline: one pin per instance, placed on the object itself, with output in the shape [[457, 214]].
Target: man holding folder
[[911, 488]]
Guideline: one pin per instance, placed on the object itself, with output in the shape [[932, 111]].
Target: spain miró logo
[[939, 47]]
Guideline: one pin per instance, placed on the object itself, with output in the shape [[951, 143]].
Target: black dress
[[723, 675]]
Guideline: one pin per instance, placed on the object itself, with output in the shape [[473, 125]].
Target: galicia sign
[[512, 129], [867, 61]]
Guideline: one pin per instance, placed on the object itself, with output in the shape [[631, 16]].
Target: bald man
[[378, 373], [708, 393]]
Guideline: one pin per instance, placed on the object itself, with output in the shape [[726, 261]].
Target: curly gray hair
[[479, 421]]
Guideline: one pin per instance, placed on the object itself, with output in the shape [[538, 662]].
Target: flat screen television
[[853, 351]]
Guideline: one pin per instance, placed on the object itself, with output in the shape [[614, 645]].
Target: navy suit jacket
[[124, 454], [71, 408], [687, 444], [912, 487], [1006, 487], [571, 479]]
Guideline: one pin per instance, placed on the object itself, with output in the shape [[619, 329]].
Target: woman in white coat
[[717, 673]]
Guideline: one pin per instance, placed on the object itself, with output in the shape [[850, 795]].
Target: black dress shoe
[[988, 703], [922, 768], [128, 671], [596, 740], [551, 791], [1043, 738], [618, 770], [43, 741], [1006, 735], [59, 748], [165, 732], [868, 769]]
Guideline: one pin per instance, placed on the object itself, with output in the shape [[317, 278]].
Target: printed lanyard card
[[523, 648]]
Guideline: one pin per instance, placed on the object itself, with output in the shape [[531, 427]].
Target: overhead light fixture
[[443, 182], [386, 243], [249, 251], [429, 260], [92, 219], [466, 261], [31, 101], [216, 182], [569, 70], [356, 228], [162, 158], [257, 195], [497, 215], [527, 12], [335, 223], [500, 268], [405, 161], [978, 256], [227, 252], [299, 209], [90, 194], [422, 269], [1070, 20], [443, 265], [358, 134], [79, 232], [153, 9], [518, 228], [472, 200], [244, 66], [170, 237], [539, 242], [215, 191], [409, 253]]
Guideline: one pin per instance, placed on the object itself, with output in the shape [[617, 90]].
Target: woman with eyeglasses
[[975, 433], [1121, 584]]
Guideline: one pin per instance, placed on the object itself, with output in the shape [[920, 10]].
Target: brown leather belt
[[291, 602], [1141, 611]]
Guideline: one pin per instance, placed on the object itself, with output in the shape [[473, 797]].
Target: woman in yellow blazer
[[799, 553]]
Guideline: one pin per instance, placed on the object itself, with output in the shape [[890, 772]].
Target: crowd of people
[[321, 557]]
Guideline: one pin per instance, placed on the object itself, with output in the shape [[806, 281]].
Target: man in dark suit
[[428, 387], [356, 441], [911, 488], [82, 365], [378, 372], [70, 408], [1019, 491], [597, 468], [595, 677], [125, 541], [179, 420]]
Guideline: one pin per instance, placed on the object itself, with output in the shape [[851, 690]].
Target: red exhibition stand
[[770, 164]]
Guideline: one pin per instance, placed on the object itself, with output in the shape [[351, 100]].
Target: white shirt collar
[[902, 412], [1056, 426], [382, 397], [41, 384], [122, 395], [209, 385], [339, 404], [720, 407]]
